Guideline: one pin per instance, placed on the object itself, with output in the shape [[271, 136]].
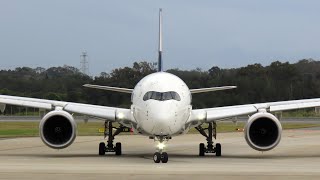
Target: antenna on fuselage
[[160, 42]]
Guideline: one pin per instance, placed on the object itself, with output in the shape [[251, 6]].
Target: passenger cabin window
[[162, 96]]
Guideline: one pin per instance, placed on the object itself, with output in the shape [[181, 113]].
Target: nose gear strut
[[160, 155]]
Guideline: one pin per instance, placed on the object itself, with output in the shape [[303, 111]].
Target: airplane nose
[[162, 118], [162, 122]]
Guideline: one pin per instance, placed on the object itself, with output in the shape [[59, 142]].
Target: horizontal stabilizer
[[202, 90], [109, 88]]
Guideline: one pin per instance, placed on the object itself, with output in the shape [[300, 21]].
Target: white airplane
[[161, 109]]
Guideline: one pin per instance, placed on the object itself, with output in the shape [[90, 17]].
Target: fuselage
[[161, 104]]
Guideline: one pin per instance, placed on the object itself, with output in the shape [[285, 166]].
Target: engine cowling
[[58, 129], [263, 131]]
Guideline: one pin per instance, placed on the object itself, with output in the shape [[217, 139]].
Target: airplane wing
[[220, 113], [109, 88], [126, 90], [103, 112], [202, 90]]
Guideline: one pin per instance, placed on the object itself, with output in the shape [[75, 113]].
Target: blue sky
[[205, 33]]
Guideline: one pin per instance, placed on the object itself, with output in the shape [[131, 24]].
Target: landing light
[[201, 116], [161, 146], [120, 116]]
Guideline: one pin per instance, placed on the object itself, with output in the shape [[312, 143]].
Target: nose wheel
[[161, 156]]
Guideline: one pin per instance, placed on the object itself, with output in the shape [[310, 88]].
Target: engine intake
[[58, 129], [263, 131]]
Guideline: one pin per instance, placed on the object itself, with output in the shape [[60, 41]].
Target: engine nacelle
[[58, 129], [263, 131]]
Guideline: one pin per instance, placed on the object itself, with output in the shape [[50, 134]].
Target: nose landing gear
[[212, 132], [160, 155]]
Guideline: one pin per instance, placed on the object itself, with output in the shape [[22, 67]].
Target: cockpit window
[[156, 96], [167, 96], [162, 96]]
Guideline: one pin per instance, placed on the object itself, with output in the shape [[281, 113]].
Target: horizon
[[177, 68]]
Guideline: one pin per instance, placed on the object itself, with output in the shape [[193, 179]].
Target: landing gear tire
[[102, 147], [218, 149], [202, 149], [164, 157], [157, 157], [118, 149]]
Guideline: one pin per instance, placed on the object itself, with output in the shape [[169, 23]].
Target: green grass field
[[25, 129]]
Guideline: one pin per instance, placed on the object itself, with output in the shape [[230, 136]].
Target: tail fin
[[160, 68]]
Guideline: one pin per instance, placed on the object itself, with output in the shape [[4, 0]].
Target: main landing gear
[[160, 155], [103, 148], [211, 132]]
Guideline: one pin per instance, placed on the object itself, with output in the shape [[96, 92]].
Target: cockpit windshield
[[161, 96]]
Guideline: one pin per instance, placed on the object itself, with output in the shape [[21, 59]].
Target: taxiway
[[296, 157]]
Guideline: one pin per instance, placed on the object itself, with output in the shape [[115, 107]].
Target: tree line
[[256, 83]]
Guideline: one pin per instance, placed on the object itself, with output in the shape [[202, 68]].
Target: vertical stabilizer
[[160, 68]]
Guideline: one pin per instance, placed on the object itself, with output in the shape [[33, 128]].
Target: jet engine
[[58, 129], [263, 131]]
